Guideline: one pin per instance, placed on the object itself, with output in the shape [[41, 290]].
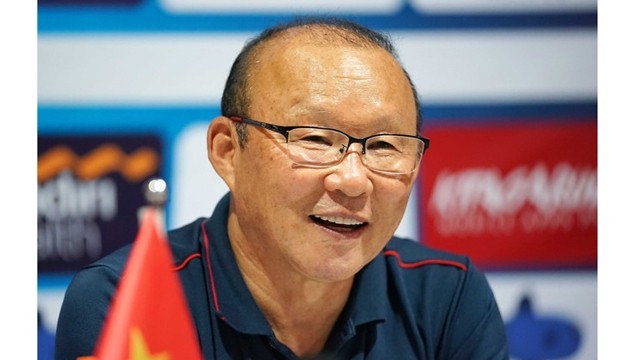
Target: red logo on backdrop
[[516, 195]]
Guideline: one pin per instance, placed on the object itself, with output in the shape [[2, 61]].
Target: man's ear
[[221, 148]]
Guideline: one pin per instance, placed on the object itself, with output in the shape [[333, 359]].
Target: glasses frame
[[284, 131]]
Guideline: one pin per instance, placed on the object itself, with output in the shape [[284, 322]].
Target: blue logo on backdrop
[[537, 337]]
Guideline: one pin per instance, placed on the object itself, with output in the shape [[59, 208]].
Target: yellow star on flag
[[138, 349]]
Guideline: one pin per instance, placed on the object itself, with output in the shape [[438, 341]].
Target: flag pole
[[149, 316], [155, 193]]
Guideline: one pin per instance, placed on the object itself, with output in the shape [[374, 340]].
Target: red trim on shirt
[[186, 261], [206, 250], [416, 264]]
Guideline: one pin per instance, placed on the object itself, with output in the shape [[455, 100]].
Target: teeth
[[340, 220]]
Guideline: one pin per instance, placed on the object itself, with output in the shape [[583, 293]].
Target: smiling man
[[319, 145]]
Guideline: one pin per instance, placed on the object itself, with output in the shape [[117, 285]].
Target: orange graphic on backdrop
[[102, 160]]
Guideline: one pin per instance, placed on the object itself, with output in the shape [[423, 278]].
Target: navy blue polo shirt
[[410, 302]]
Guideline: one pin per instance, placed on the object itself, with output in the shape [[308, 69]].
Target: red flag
[[149, 317]]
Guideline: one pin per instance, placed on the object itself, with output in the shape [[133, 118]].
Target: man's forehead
[[302, 60], [290, 66], [302, 53]]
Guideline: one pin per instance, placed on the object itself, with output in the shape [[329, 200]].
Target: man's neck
[[301, 311], [301, 316]]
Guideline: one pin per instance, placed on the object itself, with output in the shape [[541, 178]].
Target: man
[[319, 146]]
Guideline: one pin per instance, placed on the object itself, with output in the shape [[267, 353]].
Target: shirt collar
[[369, 301], [232, 300], [234, 303]]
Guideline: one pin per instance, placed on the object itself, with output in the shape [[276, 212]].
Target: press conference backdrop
[[126, 89]]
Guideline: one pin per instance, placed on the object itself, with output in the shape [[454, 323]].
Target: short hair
[[235, 97]]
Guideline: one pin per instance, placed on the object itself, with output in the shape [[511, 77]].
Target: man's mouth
[[338, 223]]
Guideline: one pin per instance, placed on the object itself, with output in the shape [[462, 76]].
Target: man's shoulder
[[427, 274], [409, 254], [183, 241]]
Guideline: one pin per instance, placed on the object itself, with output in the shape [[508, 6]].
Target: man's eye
[[314, 141], [318, 139], [380, 145]]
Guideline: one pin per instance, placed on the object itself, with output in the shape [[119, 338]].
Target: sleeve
[[83, 311], [476, 329]]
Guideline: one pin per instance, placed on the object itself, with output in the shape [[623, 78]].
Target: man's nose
[[350, 176]]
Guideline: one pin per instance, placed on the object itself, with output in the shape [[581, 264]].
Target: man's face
[[322, 224]]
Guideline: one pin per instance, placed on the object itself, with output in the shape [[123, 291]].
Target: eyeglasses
[[319, 147]]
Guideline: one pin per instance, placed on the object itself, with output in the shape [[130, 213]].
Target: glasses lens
[[325, 147], [393, 153], [316, 147]]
